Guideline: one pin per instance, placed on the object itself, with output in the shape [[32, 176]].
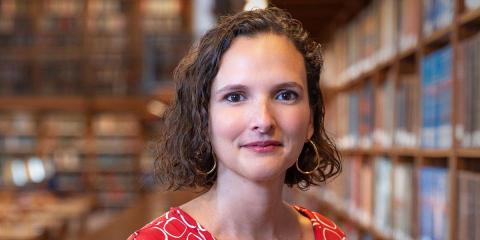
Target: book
[[472, 4], [405, 111], [409, 23], [438, 14], [468, 124], [384, 111], [388, 22], [436, 89], [383, 194], [468, 196], [366, 112], [433, 201], [403, 201], [366, 188]]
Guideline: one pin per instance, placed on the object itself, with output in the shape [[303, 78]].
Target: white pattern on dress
[[170, 234]]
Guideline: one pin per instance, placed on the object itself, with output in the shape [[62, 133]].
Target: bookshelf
[[402, 84], [75, 80]]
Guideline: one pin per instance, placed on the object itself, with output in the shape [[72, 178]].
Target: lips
[[263, 146]]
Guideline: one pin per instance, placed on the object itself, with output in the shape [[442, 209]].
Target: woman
[[247, 119]]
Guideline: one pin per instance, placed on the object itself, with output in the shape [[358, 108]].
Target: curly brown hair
[[184, 150]]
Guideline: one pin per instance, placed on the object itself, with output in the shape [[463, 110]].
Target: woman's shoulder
[[174, 223], [324, 228]]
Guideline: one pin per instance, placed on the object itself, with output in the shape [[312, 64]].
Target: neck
[[250, 209]]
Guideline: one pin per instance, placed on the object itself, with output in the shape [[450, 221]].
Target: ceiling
[[321, 17]]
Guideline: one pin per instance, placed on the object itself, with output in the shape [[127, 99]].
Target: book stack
[[433, 201], [370, 39], [117, 146], [107, 31], [388, 20], [18, 135], [366, 199], [468, 120], [436, 99], [384, 111], [356, 195], [353, 120], [383, 194], [367, 115], [16, 36], [468, 205], [63, 141], [405, 111], [60, 46], [472, 4], [409, 26], [16, 24], [402, 209], [437, 14]]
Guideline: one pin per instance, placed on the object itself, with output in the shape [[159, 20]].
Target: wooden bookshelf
[[449, 150], [89, 67]]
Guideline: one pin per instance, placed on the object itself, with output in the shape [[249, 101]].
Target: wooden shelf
[[438, 37], [407, 68], [407, 53], [119, 103], [470, 17], [468, 153], [43, 102], [412, 152], [341, 212], [436, 153]]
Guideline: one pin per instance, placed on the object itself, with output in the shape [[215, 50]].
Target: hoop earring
[[213, 168], [317, 158]]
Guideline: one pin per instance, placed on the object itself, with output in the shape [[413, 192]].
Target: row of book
[[436, 99], [379, 194], [437, 14], [468, 205], [100, 58], [367, 114], [64, 77], [380, 31], [468, 108], [374, 36], [377, 114], [68, 124], [472, 4], [61, 22]]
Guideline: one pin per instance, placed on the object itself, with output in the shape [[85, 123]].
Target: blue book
[[428, 17], [433, 193], [426, 211], [428, 101], [444, 97], [444, 14], [383, 194], [353, 116]]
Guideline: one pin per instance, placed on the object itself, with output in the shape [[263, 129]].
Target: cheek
[[296, 123], [226, 124]]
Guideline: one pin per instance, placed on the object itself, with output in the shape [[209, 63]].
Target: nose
[[263, 120]]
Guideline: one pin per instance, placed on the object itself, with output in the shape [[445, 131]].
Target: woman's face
[[259, 110]]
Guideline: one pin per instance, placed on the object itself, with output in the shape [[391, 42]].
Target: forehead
[[264, 56]]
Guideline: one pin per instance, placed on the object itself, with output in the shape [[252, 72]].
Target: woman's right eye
[[234, 97]]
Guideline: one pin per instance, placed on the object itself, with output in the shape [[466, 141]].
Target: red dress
[[177, 224]]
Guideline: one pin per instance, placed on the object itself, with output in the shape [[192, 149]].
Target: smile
[[263, 146]]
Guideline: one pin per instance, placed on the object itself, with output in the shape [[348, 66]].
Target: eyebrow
[[289, 85], [231, 88], [241, 87]]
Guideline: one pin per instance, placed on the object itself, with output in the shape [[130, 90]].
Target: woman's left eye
[[287, 95]]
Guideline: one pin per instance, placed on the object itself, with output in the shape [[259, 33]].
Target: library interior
[[84, 85]]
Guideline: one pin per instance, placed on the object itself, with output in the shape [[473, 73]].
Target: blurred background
[[84, 84]]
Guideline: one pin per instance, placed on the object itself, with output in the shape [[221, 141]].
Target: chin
[[266, 173]]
